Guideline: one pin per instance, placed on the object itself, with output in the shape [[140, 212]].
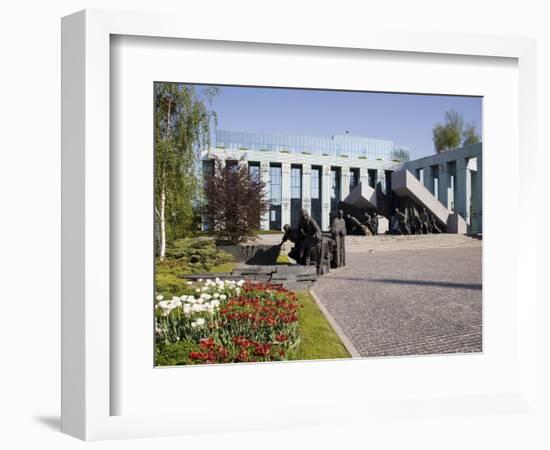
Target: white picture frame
[[86, 246]]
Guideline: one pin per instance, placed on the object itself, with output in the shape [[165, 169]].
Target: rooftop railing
[[339, 145]]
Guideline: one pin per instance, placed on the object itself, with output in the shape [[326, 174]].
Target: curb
[[347, 343]]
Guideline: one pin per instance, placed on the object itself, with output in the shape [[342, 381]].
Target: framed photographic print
[[283, 224]]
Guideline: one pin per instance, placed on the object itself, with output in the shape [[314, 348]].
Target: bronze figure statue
[[404, 226], [338, 231]]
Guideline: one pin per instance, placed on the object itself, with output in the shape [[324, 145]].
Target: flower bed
[[231, 321]]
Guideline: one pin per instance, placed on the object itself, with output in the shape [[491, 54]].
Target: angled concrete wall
[[362, 196], [405, 184]]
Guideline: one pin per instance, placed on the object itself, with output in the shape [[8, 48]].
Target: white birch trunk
[[162, 220]]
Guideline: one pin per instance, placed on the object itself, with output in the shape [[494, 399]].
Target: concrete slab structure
[[405, 184], [362, 196]]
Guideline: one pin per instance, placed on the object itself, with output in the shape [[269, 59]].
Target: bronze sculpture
[[364, 230], [404, 226], [312, 247], [338, 231], [309, 233]]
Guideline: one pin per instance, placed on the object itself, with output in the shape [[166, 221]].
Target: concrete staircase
[[388, 243]]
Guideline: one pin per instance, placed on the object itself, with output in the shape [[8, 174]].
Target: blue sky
[[406, 119]]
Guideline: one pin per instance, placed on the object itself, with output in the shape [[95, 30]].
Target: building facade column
[[479, 192], [443, 185], [264, 176], [306, 188], [325, 198], [285, 194], [462, 186], [344, 182], [364, 176]]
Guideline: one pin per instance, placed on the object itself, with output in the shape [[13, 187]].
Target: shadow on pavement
[[443, 284]]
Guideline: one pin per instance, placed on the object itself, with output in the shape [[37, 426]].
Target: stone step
[[383, 243]]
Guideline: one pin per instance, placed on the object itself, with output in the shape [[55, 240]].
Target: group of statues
[[328, 250], [414, 221], [312, 246], [368, 226]]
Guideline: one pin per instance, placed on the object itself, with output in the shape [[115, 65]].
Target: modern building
[[316, 173]]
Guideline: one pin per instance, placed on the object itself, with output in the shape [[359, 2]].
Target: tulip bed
[[229, 321]]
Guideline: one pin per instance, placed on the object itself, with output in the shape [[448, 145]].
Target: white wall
[[30, 187]]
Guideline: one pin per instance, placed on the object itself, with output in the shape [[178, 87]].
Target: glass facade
[[295, 195], [373, 175], [353, 178], [316, 185], [275, 195], [334, 188], [254, 170]]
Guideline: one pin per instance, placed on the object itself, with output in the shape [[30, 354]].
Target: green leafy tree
[[454, 132], [182, 131], [401, 154], [470, 135]]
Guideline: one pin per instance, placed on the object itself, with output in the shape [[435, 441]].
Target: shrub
[[168, 279], [197, 254], [186, 256], [174, 354]]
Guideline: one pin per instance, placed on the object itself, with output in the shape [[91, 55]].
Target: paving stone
[[408, 302]]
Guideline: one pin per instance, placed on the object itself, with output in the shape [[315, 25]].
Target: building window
[[232, 165], [334, 188], [295, 182], [316, 193], [295, 195], [315, 183], [373, 175], [254, 171], [275, 196], [353, 178], [275, 185]]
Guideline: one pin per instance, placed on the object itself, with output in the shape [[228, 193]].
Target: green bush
[[175, 354], [198, 254], [187, 256], [168, 281]]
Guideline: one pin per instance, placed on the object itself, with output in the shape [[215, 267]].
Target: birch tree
[[182, 131]]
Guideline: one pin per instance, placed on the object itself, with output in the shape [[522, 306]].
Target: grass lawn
[[318, 339]]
